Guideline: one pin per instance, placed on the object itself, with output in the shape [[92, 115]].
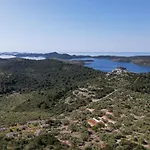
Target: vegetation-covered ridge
[[53, 105], [29, 75]]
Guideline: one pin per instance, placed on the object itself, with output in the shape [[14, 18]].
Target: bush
[[65, 122]]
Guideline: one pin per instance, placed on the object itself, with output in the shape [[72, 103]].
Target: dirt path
[[37, 132], [96, 100]]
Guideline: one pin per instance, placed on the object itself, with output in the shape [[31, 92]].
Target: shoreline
[[142, 60]]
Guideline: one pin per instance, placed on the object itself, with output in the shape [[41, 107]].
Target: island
[[139, 60]]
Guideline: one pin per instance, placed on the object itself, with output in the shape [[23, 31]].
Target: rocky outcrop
[[118, 71]]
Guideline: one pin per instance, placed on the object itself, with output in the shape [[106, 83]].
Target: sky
[[74, 25]]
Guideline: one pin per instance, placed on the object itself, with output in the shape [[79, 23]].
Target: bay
[[107, 65]]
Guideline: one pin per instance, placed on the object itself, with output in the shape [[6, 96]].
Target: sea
[[104, 65], [111, 53], [107, 65]]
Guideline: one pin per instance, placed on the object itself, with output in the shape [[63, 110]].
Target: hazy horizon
[[9, 52], [12, 54], [71, 26]]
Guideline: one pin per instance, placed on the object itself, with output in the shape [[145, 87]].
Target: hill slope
[[50, 104]]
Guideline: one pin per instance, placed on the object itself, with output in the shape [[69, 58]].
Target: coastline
[[135, 58]]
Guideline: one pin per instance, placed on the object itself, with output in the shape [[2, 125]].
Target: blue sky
[[75, 25]]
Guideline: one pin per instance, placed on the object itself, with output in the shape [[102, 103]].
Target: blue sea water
[[107, 65], [111, 53]]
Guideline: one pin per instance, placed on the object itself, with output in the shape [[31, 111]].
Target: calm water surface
[[112, 53], [108, 65]]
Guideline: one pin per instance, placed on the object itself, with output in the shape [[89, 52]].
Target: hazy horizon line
[[72, 52]]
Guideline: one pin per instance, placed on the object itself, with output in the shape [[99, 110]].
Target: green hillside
[[49, 104]]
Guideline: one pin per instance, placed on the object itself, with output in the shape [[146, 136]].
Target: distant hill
[[45, 55], [139, 60]]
